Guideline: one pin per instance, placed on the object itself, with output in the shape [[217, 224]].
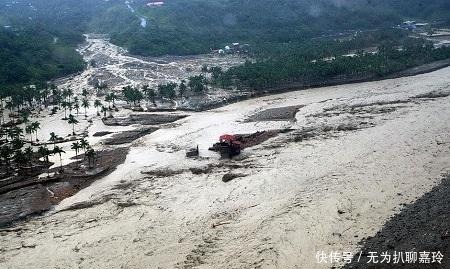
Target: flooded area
[[113, 66], [352, 157]]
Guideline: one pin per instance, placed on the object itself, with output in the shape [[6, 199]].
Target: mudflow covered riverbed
[[350, 157]]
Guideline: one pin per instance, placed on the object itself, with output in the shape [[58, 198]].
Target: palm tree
[[109, 100], [69, 93], [90, 154], [17, 132], [13, 133], [85, 104], [44, 152], [35, 127], [29, 130], [53, 138], [45, 93], [65, 105], [77, 107], [64, 94], [113, 98], [25, 115], [104, 110], [97, 104], [84, 144], [76, 146], [59, 151], [72, 120], [70, 106]]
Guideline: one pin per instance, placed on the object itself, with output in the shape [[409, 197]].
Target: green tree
[[53, 138], [98, 104], [44, 152], [76, 147], [73, 121], [91, 154], [84, 144], [167, 90], [85, 104], [197, 84], [59, 151], [182, 88], [35, 127]]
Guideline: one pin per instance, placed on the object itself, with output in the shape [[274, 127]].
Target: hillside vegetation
[[189, 27], [38, 37]]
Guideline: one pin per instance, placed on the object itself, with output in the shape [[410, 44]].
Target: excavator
[[228, 146]]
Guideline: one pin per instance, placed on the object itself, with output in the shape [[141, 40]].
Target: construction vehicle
[[228, 146], [193, 152]]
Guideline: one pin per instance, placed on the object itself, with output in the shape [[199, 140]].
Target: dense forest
[[30, 55], [189, 27], [315, 67], [38, 37]]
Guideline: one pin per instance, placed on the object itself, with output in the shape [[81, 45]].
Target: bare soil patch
[[421, 226], [34, 196], [143, 119], [275, 114], [129, 136]]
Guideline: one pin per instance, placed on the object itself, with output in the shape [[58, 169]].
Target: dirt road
[[356, 155]]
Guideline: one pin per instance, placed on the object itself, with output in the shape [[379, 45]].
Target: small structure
[[156, 4], [408, 25], [191, 153]]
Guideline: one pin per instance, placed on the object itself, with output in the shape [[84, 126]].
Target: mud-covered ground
[[422, 227], [33, 195], [333, 180], [113, 66]]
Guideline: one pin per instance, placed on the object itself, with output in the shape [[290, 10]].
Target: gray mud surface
[[39, 195], [143, 119], [421, 226], [129, 136], [275, 114]]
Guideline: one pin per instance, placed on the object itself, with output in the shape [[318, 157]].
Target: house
[[156, 4], [408, 25], [421, 25]]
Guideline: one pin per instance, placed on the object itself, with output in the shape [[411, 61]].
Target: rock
[[28, 244], [138, 109], [99, 134], [126, 204], [231, 176], [200, 170]]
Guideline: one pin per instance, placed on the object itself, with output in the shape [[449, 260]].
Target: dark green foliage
[[40, 42], [38, 38], [31, 55], [132, 95], [167, 90], [197, 84], [195, 26], [315, 65]]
